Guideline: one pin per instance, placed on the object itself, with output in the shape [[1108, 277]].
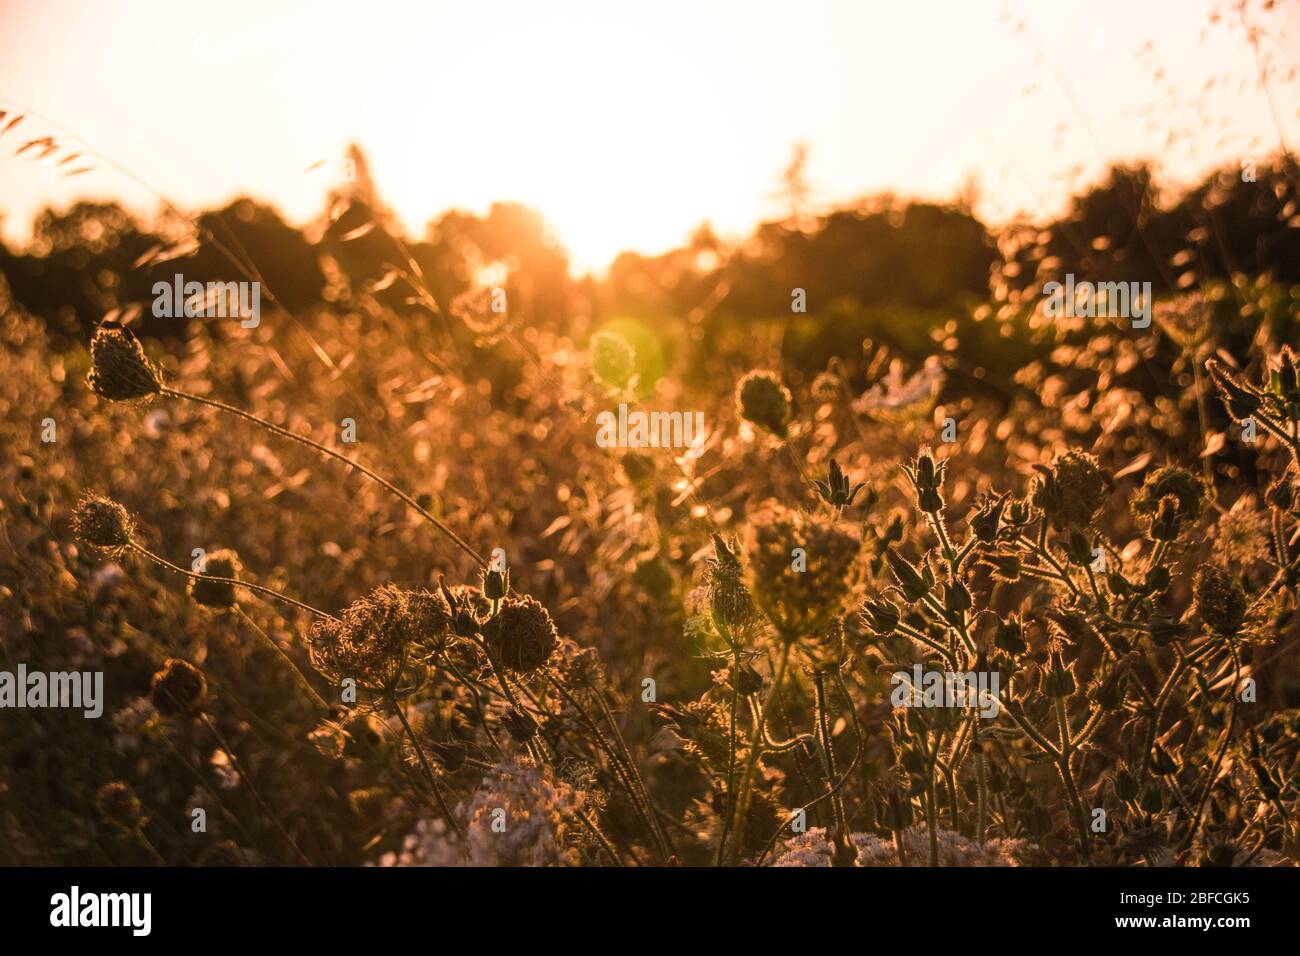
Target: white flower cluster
[[813, 849], [521, 815]]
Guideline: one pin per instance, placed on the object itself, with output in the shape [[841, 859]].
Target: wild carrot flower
[[369, 640], [1219, 600], [763, 401], [799, 567], [119, 369], [217, 594], [102, 523], [119, 805], [179, 688], [522, 636], [1072, 490]]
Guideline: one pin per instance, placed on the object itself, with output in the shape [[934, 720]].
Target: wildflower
[[119, 369], [540, 811], [1010, 636], [1241, 400], [915, 584], [369, 641], [927, 481], [880, 617], [729, 599], [799, 567], [1057, 679], [1072, 490], [1242, 533], [217, 594], [836, 490], [102, 523], [496, 584], [178, 689], [764, 401], [119, 805], [1187, 490], [613, 360], [523, 636], [1219, 600], [986, 520]]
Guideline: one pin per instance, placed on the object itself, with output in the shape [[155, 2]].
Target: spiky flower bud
[[496, 584], [1010, 636], [1078, 548], [217, 594], [1241, 400], [1166, 524], [927, 481], [178, 689], [522, 636], [119, 369], [1107, 692], [915, 584], [986, 520], [1126, 785], [835, 490], [1219, 600], [764, 401], [102, 523], [729, 598], [118, 805], [880, 617], [1057, 678]]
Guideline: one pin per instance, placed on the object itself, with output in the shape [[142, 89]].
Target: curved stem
[[326, 450], [424, 765], [280, 652]]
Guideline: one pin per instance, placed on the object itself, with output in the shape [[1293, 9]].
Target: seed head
[[1219, 600], [729, 598], [369, 640], [523, 636], [798, 601], [179, 688], [1072, 490], [119, 369], [102, 523], [764, 401], [216, 594], [1187, 490], [119, 806]]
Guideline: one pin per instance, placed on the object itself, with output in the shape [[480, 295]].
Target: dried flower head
[[1072, 490], [369, 641], [763, 401], [799, 567], [522, 636], [1219, 600], [1242, 533], [102, 523], [729, 598], [1186, 488], [119, 369], [217, 594], [179, 688], [119, 806]]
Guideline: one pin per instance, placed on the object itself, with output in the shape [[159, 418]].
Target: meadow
[[367, 587]]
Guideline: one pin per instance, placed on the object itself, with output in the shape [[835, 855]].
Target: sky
[[628, 124]]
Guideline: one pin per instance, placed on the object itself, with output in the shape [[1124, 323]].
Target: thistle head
[[101, 522], [119, 369], [217, 594], [1240, 398], [178, 689], [763, 401]]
